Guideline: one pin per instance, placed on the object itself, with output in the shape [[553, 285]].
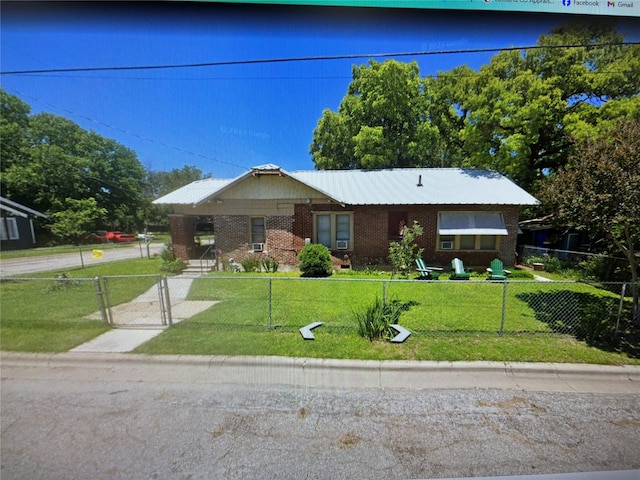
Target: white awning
[[471, 223]]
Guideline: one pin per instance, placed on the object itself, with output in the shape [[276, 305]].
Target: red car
[[102, 236]]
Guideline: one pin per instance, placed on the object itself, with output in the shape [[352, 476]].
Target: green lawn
[[45, 315], [462, 320], [450, 320]]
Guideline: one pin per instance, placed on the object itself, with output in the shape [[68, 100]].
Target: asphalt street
[[45, 263], [133, 417]]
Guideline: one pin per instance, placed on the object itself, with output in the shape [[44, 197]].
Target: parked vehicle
[[103, 236]]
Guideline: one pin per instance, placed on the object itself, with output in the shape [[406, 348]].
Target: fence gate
[[151, 308]]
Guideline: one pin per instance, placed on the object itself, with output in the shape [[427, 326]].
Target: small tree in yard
[[402, 254], [315, 261], [600, 192]]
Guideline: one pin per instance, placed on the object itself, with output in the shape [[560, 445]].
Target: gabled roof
[[400, 186], [17, 209]]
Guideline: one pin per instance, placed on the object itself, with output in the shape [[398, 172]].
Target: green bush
[[250, 264], [374, 322], [176, 266], [315, 261], [269, 265]]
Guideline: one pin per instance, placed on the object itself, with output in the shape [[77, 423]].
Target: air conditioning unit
[[342, 244], [446, 245], [257, 247]]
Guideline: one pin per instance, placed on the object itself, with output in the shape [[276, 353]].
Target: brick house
[[466, 213]]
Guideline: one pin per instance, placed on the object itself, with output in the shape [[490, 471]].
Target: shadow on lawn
[[587, 317]]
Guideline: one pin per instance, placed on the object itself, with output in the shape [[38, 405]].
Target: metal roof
[[193, 193], [417, 186], [402, 186]]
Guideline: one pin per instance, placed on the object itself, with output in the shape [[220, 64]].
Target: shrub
[[402, 254], [250, 264], [170, 263], [269, 265], [175, 266], [315, 261], [374, 322]]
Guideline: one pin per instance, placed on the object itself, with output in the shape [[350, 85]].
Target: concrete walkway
[[140, 320]]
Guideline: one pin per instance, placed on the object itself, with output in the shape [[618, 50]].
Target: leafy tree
[[382, 122], [76, 220], [525, 107], [402, 254], [51, 159], [14, 121], [599, 191]]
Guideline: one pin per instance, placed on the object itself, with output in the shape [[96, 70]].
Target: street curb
[[509, 369]]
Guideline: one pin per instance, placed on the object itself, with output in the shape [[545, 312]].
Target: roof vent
[[419, 181]]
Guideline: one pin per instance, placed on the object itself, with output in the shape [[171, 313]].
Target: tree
[[382, 122], [525, 107], [402, 254], [76, 220], [599, 191], [50, 159]]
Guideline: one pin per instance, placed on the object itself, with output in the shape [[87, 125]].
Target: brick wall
[[286, 235], [182, 236]]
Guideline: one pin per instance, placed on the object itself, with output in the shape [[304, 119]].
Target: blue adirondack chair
[[459, 272], [427, 273], [497, 271]]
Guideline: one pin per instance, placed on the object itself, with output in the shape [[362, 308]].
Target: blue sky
[[226, 119]]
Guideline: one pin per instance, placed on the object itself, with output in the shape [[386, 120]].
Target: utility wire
[[306, 59]]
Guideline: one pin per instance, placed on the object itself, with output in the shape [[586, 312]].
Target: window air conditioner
[[257, 247], [446, 245], [342, 244]]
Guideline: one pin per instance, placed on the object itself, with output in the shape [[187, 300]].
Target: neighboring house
[[539, 235], [16, 226], [466, 213]]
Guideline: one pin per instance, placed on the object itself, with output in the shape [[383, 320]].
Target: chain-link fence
[[598, 313]]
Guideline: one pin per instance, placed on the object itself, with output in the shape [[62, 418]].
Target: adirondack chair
[[459, 272], [427, 273], [497, 271]]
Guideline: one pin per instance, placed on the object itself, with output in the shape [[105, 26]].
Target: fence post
[[105, 289], [504, 307], [103, 311], [167, 300], [624, 291], [384, 292], [270, 303]]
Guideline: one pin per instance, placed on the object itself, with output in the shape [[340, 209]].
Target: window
[[396, 221], [334, 230], [9, 229], [467, 242], [470, 230], [258, 231]]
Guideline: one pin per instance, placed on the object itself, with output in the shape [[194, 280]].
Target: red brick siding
[[182, 236], [286, 235]]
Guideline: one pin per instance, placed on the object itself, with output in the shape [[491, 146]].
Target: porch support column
[[182, 236]]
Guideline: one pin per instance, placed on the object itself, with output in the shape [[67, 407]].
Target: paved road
[[45, 263], [134, 417]]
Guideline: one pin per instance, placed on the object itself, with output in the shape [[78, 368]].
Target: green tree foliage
[[160, 183], [76, 219], [599, 191], [49, 160], [516, 115], [525, 107], [403, 254], [382, 122]]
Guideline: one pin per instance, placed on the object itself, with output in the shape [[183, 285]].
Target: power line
[[306, 59], [141, 137]]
